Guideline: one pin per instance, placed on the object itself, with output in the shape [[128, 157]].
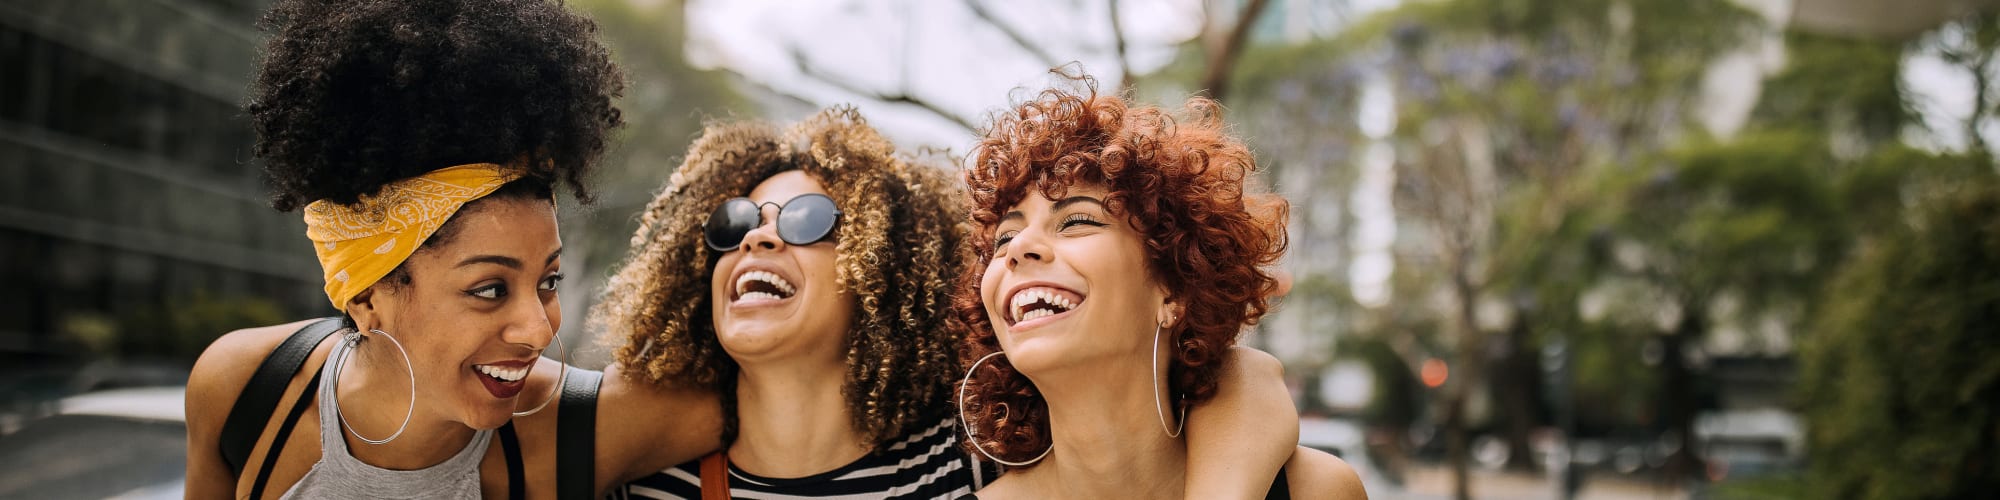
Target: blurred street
[[1433, 482]]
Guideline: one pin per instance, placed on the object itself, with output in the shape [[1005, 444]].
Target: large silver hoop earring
[[1155, 376], [561, 378], [353, 340], [974, 439]]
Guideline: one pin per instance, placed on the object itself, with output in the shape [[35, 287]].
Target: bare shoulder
[[1249, 360], [227, 364], [1316, 474]]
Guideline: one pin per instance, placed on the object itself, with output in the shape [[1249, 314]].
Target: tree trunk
[[1677, 396], [1455, 445], [1464, 378], [1516, 388]]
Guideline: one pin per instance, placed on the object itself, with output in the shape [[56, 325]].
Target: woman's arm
[[1239, 439], [644, 427]]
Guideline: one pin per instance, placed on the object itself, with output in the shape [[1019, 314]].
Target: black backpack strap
[[510, 446], [259, 399], [576, 435], [284, 433]]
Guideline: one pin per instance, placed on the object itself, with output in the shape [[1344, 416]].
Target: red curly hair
[[1180, 183]]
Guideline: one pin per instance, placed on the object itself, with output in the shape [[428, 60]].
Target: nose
[[531, 323], [765, 236], [1027, 245]]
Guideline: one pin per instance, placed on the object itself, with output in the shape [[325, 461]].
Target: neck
[[1108, 437], [374, 397], [793, 419]]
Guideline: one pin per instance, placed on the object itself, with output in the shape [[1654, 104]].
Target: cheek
[[553, 308], [718, 279], [822, 274], [989, 287]]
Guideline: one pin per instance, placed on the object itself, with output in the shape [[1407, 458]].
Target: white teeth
[[757, 296], [1028, 297], [767, 277], [504, 374]]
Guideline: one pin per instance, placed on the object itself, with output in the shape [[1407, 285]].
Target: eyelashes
[[1067, 223], [498, 291]]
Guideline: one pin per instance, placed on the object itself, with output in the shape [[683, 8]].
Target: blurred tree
[[1899, 379], [1715, 234], [666, 101], [1501, 106]]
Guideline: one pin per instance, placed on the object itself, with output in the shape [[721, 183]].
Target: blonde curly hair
[[900, 246]]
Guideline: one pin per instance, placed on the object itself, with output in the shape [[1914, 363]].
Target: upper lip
[[746, 268], [1007, 300]]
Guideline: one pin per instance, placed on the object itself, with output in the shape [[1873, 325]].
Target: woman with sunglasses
[[425, 140], [805, 274], [1120, 257]]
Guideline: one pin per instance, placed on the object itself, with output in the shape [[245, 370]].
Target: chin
[[1034, 354], [491, 416]]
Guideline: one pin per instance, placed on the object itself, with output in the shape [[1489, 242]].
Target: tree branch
[[1222, 60], [1020, 39], [1118, 41], [901, 97]]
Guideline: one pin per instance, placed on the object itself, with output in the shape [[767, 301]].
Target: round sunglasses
[[804, 220]]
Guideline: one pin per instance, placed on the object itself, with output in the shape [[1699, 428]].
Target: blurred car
[[1751, 442], [121, 443], [1344, 439]]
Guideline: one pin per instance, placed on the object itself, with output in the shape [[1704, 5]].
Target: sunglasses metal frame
[[708, 240]]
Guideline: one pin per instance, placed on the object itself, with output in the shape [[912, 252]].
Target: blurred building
[[131, 214]]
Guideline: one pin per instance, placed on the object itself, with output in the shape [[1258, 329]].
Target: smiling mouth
[[504, 375], [763, 285], [1040, 302], [503, 382]]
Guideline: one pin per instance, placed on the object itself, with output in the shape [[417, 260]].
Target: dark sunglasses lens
[[732, 220], [807, 219]]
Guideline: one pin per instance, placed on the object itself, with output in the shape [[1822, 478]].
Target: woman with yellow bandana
[[425, 140]]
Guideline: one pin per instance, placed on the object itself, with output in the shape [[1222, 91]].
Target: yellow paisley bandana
[[358, 244]]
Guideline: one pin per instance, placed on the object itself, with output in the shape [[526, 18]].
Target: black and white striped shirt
[[927, 464]]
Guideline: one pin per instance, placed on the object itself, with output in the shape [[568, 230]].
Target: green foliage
[[1755, 215], [1899, 377], [1610, 387], [183, 326], [1830, 80]]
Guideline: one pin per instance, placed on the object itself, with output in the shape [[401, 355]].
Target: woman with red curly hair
[[1122, 259]]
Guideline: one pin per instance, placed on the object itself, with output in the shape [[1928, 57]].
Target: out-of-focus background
[[1539, 248]]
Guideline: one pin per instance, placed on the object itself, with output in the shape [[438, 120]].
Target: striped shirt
[[927, 464]]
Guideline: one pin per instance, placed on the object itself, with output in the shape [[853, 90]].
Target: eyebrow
[[1065, 203], [503, 260]]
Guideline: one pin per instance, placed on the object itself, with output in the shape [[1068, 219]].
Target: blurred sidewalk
[[1433, 482]]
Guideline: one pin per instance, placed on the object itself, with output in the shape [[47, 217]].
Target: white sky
[[962, 64]]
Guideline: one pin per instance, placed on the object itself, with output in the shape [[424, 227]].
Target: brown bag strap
[[715, 476]]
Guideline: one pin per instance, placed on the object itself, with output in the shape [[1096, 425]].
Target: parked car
[[120, 443]]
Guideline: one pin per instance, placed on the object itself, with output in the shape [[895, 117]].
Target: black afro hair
[[352, 95]]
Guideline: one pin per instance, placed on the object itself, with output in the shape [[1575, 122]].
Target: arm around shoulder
[[1239, 439], [643, 427]]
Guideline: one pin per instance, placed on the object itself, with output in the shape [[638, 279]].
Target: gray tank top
[[339, 475]]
